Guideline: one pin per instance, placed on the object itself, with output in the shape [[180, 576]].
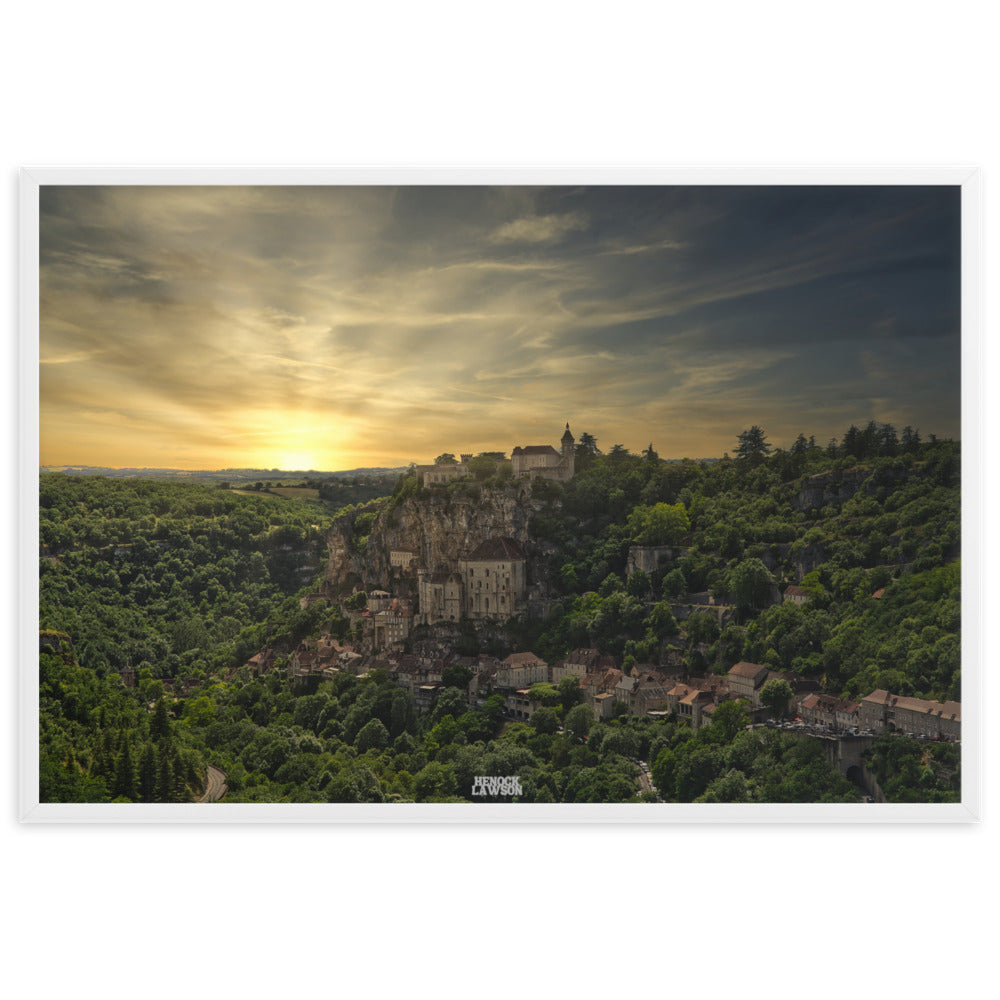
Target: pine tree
[[178, 791], [147, 773], [125, 783], [159, 725], [164, 779], [752, 445]]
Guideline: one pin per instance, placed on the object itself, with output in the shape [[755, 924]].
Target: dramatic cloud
[[337, 327]]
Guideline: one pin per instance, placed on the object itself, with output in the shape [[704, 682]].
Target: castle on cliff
[[529, 460]]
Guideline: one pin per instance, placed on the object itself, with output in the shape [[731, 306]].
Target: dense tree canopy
[[183, 583]]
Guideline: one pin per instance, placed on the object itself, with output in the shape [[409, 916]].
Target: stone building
[[490, 582], [393, 623], [378, 600], [401, 557], [543, 460], [827, 710], [688, 701], [795, 594], [694, 699], [494, 578], [884, 712], [440, 597], [746, 679], [641, 695], [529, 460], [521, 670], [579, 663], [437, 475]]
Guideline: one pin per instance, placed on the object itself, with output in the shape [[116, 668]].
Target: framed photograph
[[540, 495]]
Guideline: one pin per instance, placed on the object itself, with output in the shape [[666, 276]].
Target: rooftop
[[497, 548], [535, 449], [520, 659], [745, 669]]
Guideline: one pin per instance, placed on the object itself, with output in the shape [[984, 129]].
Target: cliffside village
[[490, 583], [653, 692]]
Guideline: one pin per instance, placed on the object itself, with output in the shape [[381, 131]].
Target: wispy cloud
[[539, 228], [373, 326]]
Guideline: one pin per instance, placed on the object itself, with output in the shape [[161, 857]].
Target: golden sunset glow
[[335, 328]]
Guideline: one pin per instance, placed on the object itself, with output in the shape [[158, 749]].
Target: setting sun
[[296, 461]]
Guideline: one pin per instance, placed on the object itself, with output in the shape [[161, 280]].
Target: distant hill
[[215, 475]]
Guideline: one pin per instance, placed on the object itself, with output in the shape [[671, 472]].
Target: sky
[[341, 327]]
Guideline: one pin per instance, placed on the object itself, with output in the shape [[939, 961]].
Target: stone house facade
[[688, 701], [882, 711], [491, 582], [438, 475], [827, 710], [746, 679], [494, 579], [440, 597], [393, 623], [579, 663], [401, 557], [521, 670]]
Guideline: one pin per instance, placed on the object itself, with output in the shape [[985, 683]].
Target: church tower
[[568, 454]]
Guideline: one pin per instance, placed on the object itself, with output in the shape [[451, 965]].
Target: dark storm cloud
[[394, 317]]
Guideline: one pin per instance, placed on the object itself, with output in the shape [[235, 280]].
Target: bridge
[[846, 753]]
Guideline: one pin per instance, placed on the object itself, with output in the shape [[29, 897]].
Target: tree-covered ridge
[[841, 524], [184, 583], [173, 578]]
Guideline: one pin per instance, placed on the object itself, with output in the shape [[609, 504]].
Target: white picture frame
[[31, 810]]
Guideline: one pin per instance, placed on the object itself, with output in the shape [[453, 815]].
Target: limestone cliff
[[837, 486], [439, 525]]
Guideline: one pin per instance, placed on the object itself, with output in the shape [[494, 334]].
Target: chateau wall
[[493, 589]]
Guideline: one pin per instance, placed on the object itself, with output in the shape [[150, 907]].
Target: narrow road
[[646, 780], [215, 786]]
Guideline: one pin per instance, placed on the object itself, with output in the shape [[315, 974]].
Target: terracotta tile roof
[[519, 659], [745, 669], [828, 703], [923, 706], [602, 679]]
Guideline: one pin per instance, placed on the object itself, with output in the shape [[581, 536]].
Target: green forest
[[183, 583]]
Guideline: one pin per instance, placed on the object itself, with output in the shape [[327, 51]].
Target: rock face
[[835, 487], [647, 558], [440, 527]]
